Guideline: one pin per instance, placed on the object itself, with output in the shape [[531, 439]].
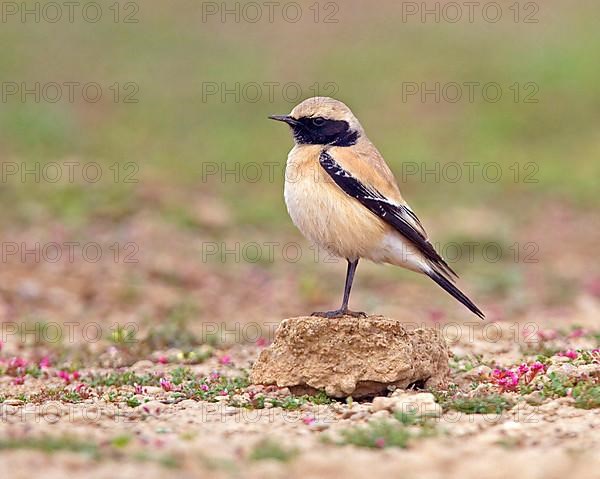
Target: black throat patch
[[321, 131]]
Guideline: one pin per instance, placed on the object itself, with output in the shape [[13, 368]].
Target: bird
[[343, 197]]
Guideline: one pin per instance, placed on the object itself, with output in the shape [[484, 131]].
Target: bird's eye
[[318, 121]]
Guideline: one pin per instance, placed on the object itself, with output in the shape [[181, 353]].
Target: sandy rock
[[382, 403], [355, 357], [420, 404], [142, 365]]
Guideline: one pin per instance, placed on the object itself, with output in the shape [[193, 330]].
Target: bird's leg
[[344, 311]]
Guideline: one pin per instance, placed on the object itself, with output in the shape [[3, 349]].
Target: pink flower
[[505, 379], [548, 334], [537, 366], [225, 359], [592, 287], [19, 380], [308, 420], [523, 369], [64, 375], [45, 362], [261, 342], [138, 389], [17, 362], [214, 376], [577, 333], [163, 359], [569, 353], [223, 393], [204, 387], [166, 385], [380, 442]]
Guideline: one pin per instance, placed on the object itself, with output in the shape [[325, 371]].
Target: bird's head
[[322, 121]]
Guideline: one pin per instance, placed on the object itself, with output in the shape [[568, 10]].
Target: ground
[[99, 387]]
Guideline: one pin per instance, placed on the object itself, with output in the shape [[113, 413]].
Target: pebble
[[319, 426], [383, 414], [421, 404], [382, 403], [349, 413], [152, 389]]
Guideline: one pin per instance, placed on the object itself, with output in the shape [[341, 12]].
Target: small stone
[[383, 414], [152, 389], [536, 398], [420, 404], [382, 403], [14, 402], [348, 413], [142, 365], [565, 370], [360, 416], [319, 426]]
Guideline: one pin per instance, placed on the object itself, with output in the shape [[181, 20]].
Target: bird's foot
[[339, 313]]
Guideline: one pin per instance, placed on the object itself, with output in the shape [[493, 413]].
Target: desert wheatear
[[342, 196]]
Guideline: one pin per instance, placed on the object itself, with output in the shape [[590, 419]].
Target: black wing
[[397, 216]]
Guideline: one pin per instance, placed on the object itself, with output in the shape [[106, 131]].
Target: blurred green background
[[168, 57], [170, 53]]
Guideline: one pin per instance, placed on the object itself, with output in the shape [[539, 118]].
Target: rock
[[420, 404], [535, 398], [356, 357], [143, 365], [566, 370], [382, 403]]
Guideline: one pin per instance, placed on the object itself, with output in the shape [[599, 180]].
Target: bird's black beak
[[284, 118]]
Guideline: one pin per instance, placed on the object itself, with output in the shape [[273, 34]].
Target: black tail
[[454, 292]]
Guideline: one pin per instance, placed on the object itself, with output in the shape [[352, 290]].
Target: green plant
[[490, 404], [377, 434], [132, 401], [270, 449], [587, 397]]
